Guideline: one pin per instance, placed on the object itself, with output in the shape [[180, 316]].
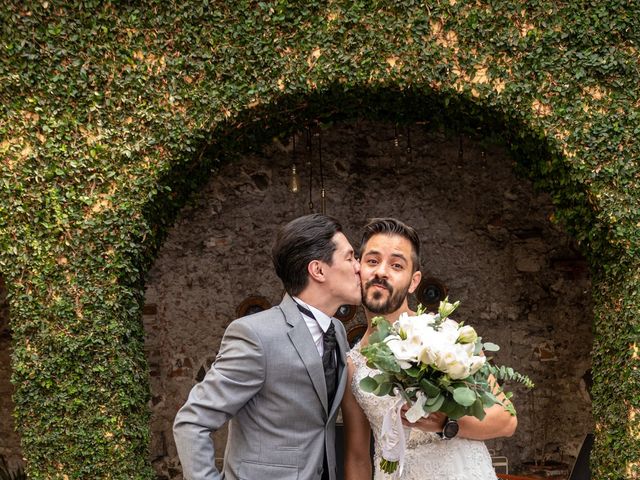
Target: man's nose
[[381, 270]]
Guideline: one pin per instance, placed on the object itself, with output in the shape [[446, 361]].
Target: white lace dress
[[427, 456]]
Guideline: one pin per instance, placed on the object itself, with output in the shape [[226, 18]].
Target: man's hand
[[433, 423]]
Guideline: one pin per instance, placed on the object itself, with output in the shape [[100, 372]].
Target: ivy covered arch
[[110, 111]]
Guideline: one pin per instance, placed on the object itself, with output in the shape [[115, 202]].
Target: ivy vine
[[113, 113]]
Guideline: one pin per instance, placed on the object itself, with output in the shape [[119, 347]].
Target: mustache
[[379, 281]]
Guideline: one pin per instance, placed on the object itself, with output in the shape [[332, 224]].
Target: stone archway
[[486, 235]]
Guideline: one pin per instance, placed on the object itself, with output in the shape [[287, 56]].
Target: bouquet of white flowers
[[434, 364]]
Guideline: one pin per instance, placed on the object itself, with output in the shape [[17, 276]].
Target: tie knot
[[330, 337]]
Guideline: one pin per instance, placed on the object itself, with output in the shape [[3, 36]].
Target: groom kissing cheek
[[279, 375]]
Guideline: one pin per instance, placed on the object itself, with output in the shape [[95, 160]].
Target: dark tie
[[328, 357], [328, 361]]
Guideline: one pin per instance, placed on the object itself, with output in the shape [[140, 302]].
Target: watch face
[[450, 429]]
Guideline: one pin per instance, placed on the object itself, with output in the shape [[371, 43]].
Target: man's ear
[[415, 281], [316, 272]]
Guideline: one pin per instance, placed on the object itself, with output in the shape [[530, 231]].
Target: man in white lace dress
[[438, 448]]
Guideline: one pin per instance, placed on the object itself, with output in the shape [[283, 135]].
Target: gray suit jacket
[[268, 381]]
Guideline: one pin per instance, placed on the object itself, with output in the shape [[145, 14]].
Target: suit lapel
[[306, 348], [343, 348]]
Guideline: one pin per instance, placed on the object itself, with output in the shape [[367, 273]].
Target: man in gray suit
[[277, 378]]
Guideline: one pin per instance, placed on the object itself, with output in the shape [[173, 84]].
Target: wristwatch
[[449, 430]]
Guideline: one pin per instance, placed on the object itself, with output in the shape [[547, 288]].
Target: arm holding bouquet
[[497, 422], [439, 368]]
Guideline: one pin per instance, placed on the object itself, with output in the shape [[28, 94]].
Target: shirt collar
[[322, 318]]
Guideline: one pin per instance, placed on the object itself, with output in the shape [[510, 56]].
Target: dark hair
[[300, 242], [391, 226]]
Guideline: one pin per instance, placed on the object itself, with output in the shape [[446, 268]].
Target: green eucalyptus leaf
[[464, 396], [453, 409], [477, 409], [380, 356], [368, 384], [382, 377], [488, 398], [383, 327], [429, 388], [434, 404], [490, 347], [384, 389]]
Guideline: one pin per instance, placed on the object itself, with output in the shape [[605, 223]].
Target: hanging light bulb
[[294, 182]]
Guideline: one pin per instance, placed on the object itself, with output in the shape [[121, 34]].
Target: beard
[[373, 301]]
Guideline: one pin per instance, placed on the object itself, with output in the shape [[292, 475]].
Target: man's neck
[[391, 317], [317, 301]]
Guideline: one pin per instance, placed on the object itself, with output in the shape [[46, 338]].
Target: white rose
[[449, 329], [427, 356], [414, 326], [444, 359], [476, 364], [404, 351], [467, 334], [432, 346], [445, 308], [455, 361], [425, 318], [458, 370], [468, 348]]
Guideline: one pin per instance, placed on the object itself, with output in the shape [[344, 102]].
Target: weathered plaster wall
[[486, 235]]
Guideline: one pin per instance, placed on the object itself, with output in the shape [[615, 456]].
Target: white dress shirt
[[317, 326]]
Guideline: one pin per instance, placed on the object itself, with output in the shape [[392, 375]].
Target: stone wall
[[487, 236], [9, 440]]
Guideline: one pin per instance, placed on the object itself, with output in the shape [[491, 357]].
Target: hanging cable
[[323, 200], [310, 163]]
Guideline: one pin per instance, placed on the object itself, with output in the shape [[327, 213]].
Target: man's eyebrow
[[399, 255], [376, 252]]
